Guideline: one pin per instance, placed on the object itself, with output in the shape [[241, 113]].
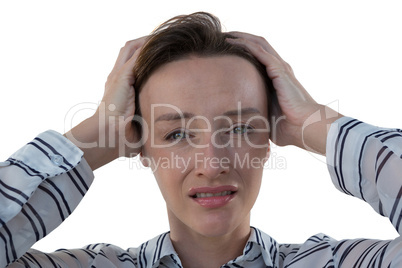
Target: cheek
[[250, 162], [166, 187], [170, 182]]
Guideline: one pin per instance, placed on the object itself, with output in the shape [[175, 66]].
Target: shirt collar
[[260, 249]]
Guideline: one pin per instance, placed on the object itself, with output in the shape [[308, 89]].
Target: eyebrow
[[173, 116], [249, 110], [184, 115]]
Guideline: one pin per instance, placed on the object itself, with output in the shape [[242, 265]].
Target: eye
[[176, 135], [241, 129]]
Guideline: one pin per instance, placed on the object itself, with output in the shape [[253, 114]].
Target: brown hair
[[198, 34]]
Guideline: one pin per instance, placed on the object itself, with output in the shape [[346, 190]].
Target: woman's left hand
[[292, 125]]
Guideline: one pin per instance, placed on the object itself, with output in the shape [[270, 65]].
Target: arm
[[44, 181], [364, 161], [40, 185], [109, 133]]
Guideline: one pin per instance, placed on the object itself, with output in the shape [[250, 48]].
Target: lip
[[212, 190], [213, 201]]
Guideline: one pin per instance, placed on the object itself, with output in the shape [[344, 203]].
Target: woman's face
[[207, 141]]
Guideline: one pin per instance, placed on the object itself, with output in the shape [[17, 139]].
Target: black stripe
[[22, 259], [156, 250], [102, 253], [360, 162], [6, 247], [16, 161], [25, 167], [144, 254], [394, 207], [93, 246], [140, 254], [39, 148], [341, 157], [33, 259], [10, 238], [12, 198], [75, 184], [364, 254], [382, 165], [256, 235], [308, 252], [46, 153], [54, 199], [255, 258], [315, 240], [36, 214], [381, 259], [329, 265], [374, 256], [338, 246], [67, 252], [51, 260], [54, 151], [89, 252], [8, 187], [380, 208], [161, 245], [174, 260], [262, 240], [36, 231], [348, 250], [250, 247], [61, 195], [391, 136], [380, 153], [125, 257], [398, 223], [81, 179], [273, 250], [336, 150]]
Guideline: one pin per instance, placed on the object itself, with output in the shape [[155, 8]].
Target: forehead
[[205, 86]]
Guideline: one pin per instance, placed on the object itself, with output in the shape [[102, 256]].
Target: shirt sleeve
[[366, 162], [40, 185]]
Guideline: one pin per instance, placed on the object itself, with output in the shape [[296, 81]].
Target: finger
[[128, 50], [274, 65], [257, 39], [126, 70]]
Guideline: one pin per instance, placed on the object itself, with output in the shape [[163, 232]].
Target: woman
[[207, 104]]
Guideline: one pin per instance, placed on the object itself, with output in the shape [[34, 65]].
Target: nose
[[211, 161]]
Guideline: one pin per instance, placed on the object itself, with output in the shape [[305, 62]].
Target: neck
[[197, 250]]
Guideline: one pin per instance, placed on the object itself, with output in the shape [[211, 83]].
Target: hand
[[109, 133], [296, 104], [118, 102]]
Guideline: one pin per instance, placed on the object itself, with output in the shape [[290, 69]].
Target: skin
[[190, 84], [191, 230]]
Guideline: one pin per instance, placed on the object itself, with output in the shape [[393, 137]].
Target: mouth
[[213, 197], [204, 195]]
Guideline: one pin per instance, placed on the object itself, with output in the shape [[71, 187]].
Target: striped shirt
[[43, 182]]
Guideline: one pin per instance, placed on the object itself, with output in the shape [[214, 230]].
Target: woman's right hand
[[109, 133]]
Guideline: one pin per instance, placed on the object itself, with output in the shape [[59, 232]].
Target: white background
[[57, 54]]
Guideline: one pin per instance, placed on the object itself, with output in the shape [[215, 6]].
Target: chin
[[217, 225]]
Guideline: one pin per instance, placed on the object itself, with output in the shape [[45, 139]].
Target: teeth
[[202, 195]]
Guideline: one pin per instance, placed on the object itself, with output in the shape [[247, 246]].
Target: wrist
[[314, 131], [92, 136]]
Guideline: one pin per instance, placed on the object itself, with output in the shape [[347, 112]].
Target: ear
[[144, 160]]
